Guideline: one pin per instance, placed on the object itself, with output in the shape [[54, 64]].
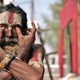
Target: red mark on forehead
[[11, 17]]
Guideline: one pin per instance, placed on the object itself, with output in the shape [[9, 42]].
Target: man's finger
[[33, 27], [29, 29], [19, 32]]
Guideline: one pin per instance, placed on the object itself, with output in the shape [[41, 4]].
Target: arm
[[4, 75], [29, 71]]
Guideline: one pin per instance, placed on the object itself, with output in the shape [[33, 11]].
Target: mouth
[[8, 41]]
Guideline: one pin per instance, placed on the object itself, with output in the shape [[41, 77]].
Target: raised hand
[[29, 38], [25, 42]]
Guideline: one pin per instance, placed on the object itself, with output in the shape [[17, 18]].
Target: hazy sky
[[41, 7]]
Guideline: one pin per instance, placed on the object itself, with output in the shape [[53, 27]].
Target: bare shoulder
[[38, 56], [38, 52]]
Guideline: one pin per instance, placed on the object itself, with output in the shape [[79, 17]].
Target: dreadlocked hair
[[18, 10]]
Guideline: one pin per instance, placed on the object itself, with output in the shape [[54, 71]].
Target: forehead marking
[[11, 17]]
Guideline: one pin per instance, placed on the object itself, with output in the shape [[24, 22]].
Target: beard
[[10, 45], [8, 41]]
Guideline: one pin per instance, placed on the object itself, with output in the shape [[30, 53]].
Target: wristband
[[6, 61], [11, 57]]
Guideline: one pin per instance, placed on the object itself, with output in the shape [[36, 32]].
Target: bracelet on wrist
[[6, 61], [11, 57]]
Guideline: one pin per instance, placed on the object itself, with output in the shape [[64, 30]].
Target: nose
[[9, 33]]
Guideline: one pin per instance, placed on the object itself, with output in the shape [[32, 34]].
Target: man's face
[[10, 21]]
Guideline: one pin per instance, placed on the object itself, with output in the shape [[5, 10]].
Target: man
[[20, 58]]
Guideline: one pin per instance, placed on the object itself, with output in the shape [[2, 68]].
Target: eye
[[16, 25], [4, 25]]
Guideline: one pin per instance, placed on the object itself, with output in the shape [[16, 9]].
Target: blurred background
[[46, 14]]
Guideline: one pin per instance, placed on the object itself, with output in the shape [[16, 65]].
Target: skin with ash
[[17, 41]]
